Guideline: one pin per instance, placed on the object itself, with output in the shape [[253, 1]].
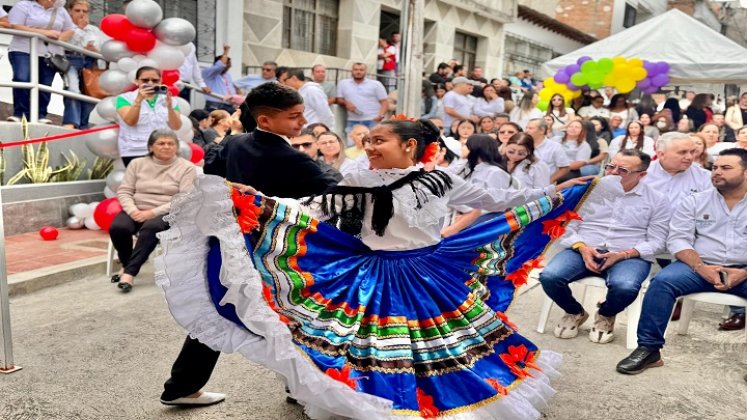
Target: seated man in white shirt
[[621, 232], [673, 173], [551, 152], [708, 236]]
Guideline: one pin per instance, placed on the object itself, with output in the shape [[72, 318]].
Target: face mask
[[661, 124]]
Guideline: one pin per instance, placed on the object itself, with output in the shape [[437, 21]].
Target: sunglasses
[[302, 145], [516, 152], [507, 132], [150, 80], [610, 167], [266, 69]]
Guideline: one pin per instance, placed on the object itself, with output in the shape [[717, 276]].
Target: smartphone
[[723, 276], [600, 261]]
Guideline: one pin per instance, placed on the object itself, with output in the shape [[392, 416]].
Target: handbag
[[57, 61], [91, 82]]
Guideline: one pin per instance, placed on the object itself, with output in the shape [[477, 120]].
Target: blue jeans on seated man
[[76, 112], [21, 64], [623, 281], [676, 280]]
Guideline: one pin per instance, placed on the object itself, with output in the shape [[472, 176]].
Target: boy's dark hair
[[442, 66], [458, 68], [280, 71], [269, 99], [297, 73]]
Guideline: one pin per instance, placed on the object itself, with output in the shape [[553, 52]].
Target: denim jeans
[[623, 281], [76, 112], [21, 64], [676, 280]]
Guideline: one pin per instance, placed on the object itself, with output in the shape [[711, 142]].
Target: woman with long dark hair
[[633, 139], [619, 106], [523, 164], [699, 110], [576, 148], [599, 150], [559, 113]]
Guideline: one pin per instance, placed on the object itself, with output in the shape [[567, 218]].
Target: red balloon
[[169, 77], [49, 233], [197, 153], [116, 26], [105, 212], [174, 90], [140, 40]]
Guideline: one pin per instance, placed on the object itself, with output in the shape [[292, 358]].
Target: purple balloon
[[583, 59], [662, 68], [643, 84], [650, 89], [660, 80], [561, 77], [571, 86], [573, 68], [650, 67]]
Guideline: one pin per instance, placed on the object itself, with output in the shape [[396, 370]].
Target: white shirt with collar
[[552, 153], [675, 187], [621, 220], [316, 106], [702, 222], [536, 175], [33, 14], [190, 70]]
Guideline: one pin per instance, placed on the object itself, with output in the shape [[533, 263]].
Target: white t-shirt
[[589, 111], [33, 14], [552, 153], [536, 175], [616, 144], [573, 150], [366, 97], [461, 104]]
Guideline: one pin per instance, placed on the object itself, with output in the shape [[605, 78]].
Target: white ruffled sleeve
[[492, 199]]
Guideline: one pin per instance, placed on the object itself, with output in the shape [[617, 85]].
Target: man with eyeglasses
[[708, 236], [551, 152], [306, 143], [220, 82], [625, 224], [250, 81]]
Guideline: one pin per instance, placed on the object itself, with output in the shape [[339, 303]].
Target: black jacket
[[269, 164]]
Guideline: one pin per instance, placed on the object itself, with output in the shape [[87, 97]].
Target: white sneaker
[[205, 398], [13, 118], [601, 332], [45, 121], [568, 325]]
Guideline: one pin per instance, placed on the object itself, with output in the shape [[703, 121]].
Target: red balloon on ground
[[106, 211], [197, 153], [140, 40], [49, 233], [169, 77], [117, 26]]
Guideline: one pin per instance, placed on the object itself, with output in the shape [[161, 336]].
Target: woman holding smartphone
[[142, 111]]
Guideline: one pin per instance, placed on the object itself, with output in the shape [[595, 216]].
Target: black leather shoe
[[733, 323], [640, 360], [126, 287], [115, 278]]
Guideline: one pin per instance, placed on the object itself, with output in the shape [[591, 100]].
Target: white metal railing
[[35, 87]]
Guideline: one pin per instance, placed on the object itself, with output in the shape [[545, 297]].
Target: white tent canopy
[[695, 52]]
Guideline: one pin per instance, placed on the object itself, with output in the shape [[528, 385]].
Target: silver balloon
[[114, 50], [185, 151], [144, 13], [104, 143], [147, 62], [114, 180], [95, 120], [114, 82], [167, 57], [184, 107], [108, 193], [126, 64], [186, 136], [131, 76], [79, 210], [175, 31], [74, 223], [118, 164], [107, 108]]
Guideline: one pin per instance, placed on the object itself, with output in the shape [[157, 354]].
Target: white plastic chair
[[633, 311], [688, 304]]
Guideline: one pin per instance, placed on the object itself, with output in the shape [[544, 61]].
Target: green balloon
[[588, 66], [605, 65], [542, 105], [578, 79], [596, 77]]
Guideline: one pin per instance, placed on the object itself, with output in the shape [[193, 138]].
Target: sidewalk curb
[[32, 281]]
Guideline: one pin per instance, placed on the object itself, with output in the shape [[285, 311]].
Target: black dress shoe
[[733, 323], [126, 287], [115, 278], [640, 360]]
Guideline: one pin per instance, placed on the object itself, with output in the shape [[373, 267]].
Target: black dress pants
[[121, 231], [191, 370]]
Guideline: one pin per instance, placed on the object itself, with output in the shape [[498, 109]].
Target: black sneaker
[[640, 360]]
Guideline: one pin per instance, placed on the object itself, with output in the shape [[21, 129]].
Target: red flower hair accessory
[[401, 117]]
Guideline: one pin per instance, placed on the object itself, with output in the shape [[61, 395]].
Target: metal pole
[[404, 61], [34, 69], [413, 80], [6, 340]]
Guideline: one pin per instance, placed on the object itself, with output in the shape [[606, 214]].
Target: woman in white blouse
[[559, 114], [633, 139], [332, 152], [523, 165], [575, 147], [619, 107], [526, 110], [489, 103]]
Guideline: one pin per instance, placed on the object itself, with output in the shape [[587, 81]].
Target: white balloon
[[104, 143], [79, 210], [147, 62], [118, 164], [126, 64], [114, 82], [175, 31], [144, 13], [107, 108], [187, 136], [92, 206], [167, 57], [108, 193], [185, 151], [184, 107], [132, 76], [114, 66], [186, 125], [187, 49], [91, 223], [114, 180], [74, 223], [94, 119], [114, 50], [139, 57]]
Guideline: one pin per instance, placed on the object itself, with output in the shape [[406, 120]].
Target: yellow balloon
[[545, 94], [635, 62], [618, 60], [625, 85], [638, 73], [549, 82], [609, 80]]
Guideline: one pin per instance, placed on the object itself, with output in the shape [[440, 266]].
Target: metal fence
[[334, 75]]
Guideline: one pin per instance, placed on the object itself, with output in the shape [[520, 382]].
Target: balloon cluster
[[618, 72], [94, 216]]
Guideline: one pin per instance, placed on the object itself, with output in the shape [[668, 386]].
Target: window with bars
[[522, 53], [200, 13], [311, 25], [465, 49]]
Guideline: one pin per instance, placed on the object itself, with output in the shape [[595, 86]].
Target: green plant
[[101, 168], [71, 171], [2, 165]]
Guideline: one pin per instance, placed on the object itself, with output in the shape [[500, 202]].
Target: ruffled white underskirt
[[181, 273]]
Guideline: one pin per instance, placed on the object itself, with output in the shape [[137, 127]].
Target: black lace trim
[[349, 217]]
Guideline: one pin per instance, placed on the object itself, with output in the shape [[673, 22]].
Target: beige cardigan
[[733, 117], [150, 184]]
